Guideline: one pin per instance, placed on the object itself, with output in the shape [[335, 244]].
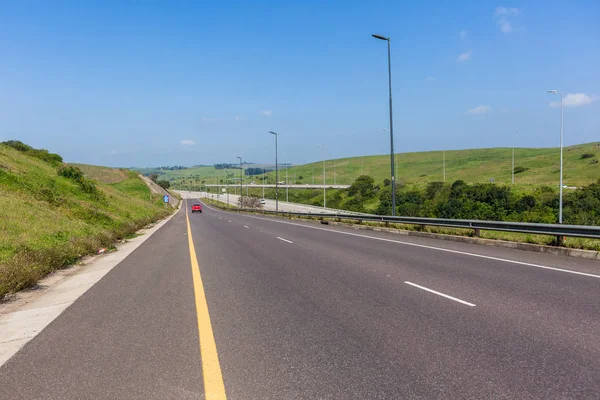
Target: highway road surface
[[245, 307]]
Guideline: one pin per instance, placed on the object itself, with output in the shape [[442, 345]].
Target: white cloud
[[266, 113], [575, 100], [508, 11], [463, 34], [430, 78], [211, 119], [465, 56], [503, 14], [504, 25], [479, 110], [188, 142]]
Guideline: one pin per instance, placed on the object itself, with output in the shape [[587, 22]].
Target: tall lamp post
[[391, 122], [241, 187], [276, 174], [560, 203]]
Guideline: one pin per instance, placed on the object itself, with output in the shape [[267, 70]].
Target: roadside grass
[[47, 222]]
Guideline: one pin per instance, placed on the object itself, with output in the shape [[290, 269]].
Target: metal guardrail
[[560, 230]]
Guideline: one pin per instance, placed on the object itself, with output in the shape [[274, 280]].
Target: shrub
[[519, 169], [433, 188], [586, 155], [41, 154], [70, 172], [86, 185], [165, 184]]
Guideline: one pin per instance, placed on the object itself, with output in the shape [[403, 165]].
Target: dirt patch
[[103, 174]]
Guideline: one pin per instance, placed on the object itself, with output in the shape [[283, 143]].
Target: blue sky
[[126, 83]]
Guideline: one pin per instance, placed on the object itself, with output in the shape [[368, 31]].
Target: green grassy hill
[[49, 221], [474, 166]]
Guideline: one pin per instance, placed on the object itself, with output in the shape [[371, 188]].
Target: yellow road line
[[211, 369]]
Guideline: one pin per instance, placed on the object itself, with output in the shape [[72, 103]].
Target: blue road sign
[[166, 198]]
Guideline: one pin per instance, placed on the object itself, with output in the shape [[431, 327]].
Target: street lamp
[[241, 187], [391, 122], [276, 174], [560, 203]]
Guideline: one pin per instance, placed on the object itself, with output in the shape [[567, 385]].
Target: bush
[[41, 154], [87, 186], [70, 172], [518, 170], [164, 184], [586, 155]]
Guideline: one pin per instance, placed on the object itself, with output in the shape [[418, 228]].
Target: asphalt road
[[307, 311]]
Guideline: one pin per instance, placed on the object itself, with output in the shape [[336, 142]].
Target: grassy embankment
[[48, 222]]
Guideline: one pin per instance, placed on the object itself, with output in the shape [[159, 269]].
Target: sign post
[[166, 198]]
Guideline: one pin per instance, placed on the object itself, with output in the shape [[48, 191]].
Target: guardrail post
[[476, 232], [560, 241]]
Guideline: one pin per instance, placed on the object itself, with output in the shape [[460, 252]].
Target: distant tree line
[[257, 171], [173, 168], [226, 166]]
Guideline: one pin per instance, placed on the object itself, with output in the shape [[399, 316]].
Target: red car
[[196, 208]]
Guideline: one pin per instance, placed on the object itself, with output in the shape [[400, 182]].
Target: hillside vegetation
[[52, 213]]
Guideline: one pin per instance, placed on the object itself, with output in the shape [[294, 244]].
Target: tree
[[153, 177], [252, 202], [363, 185]]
